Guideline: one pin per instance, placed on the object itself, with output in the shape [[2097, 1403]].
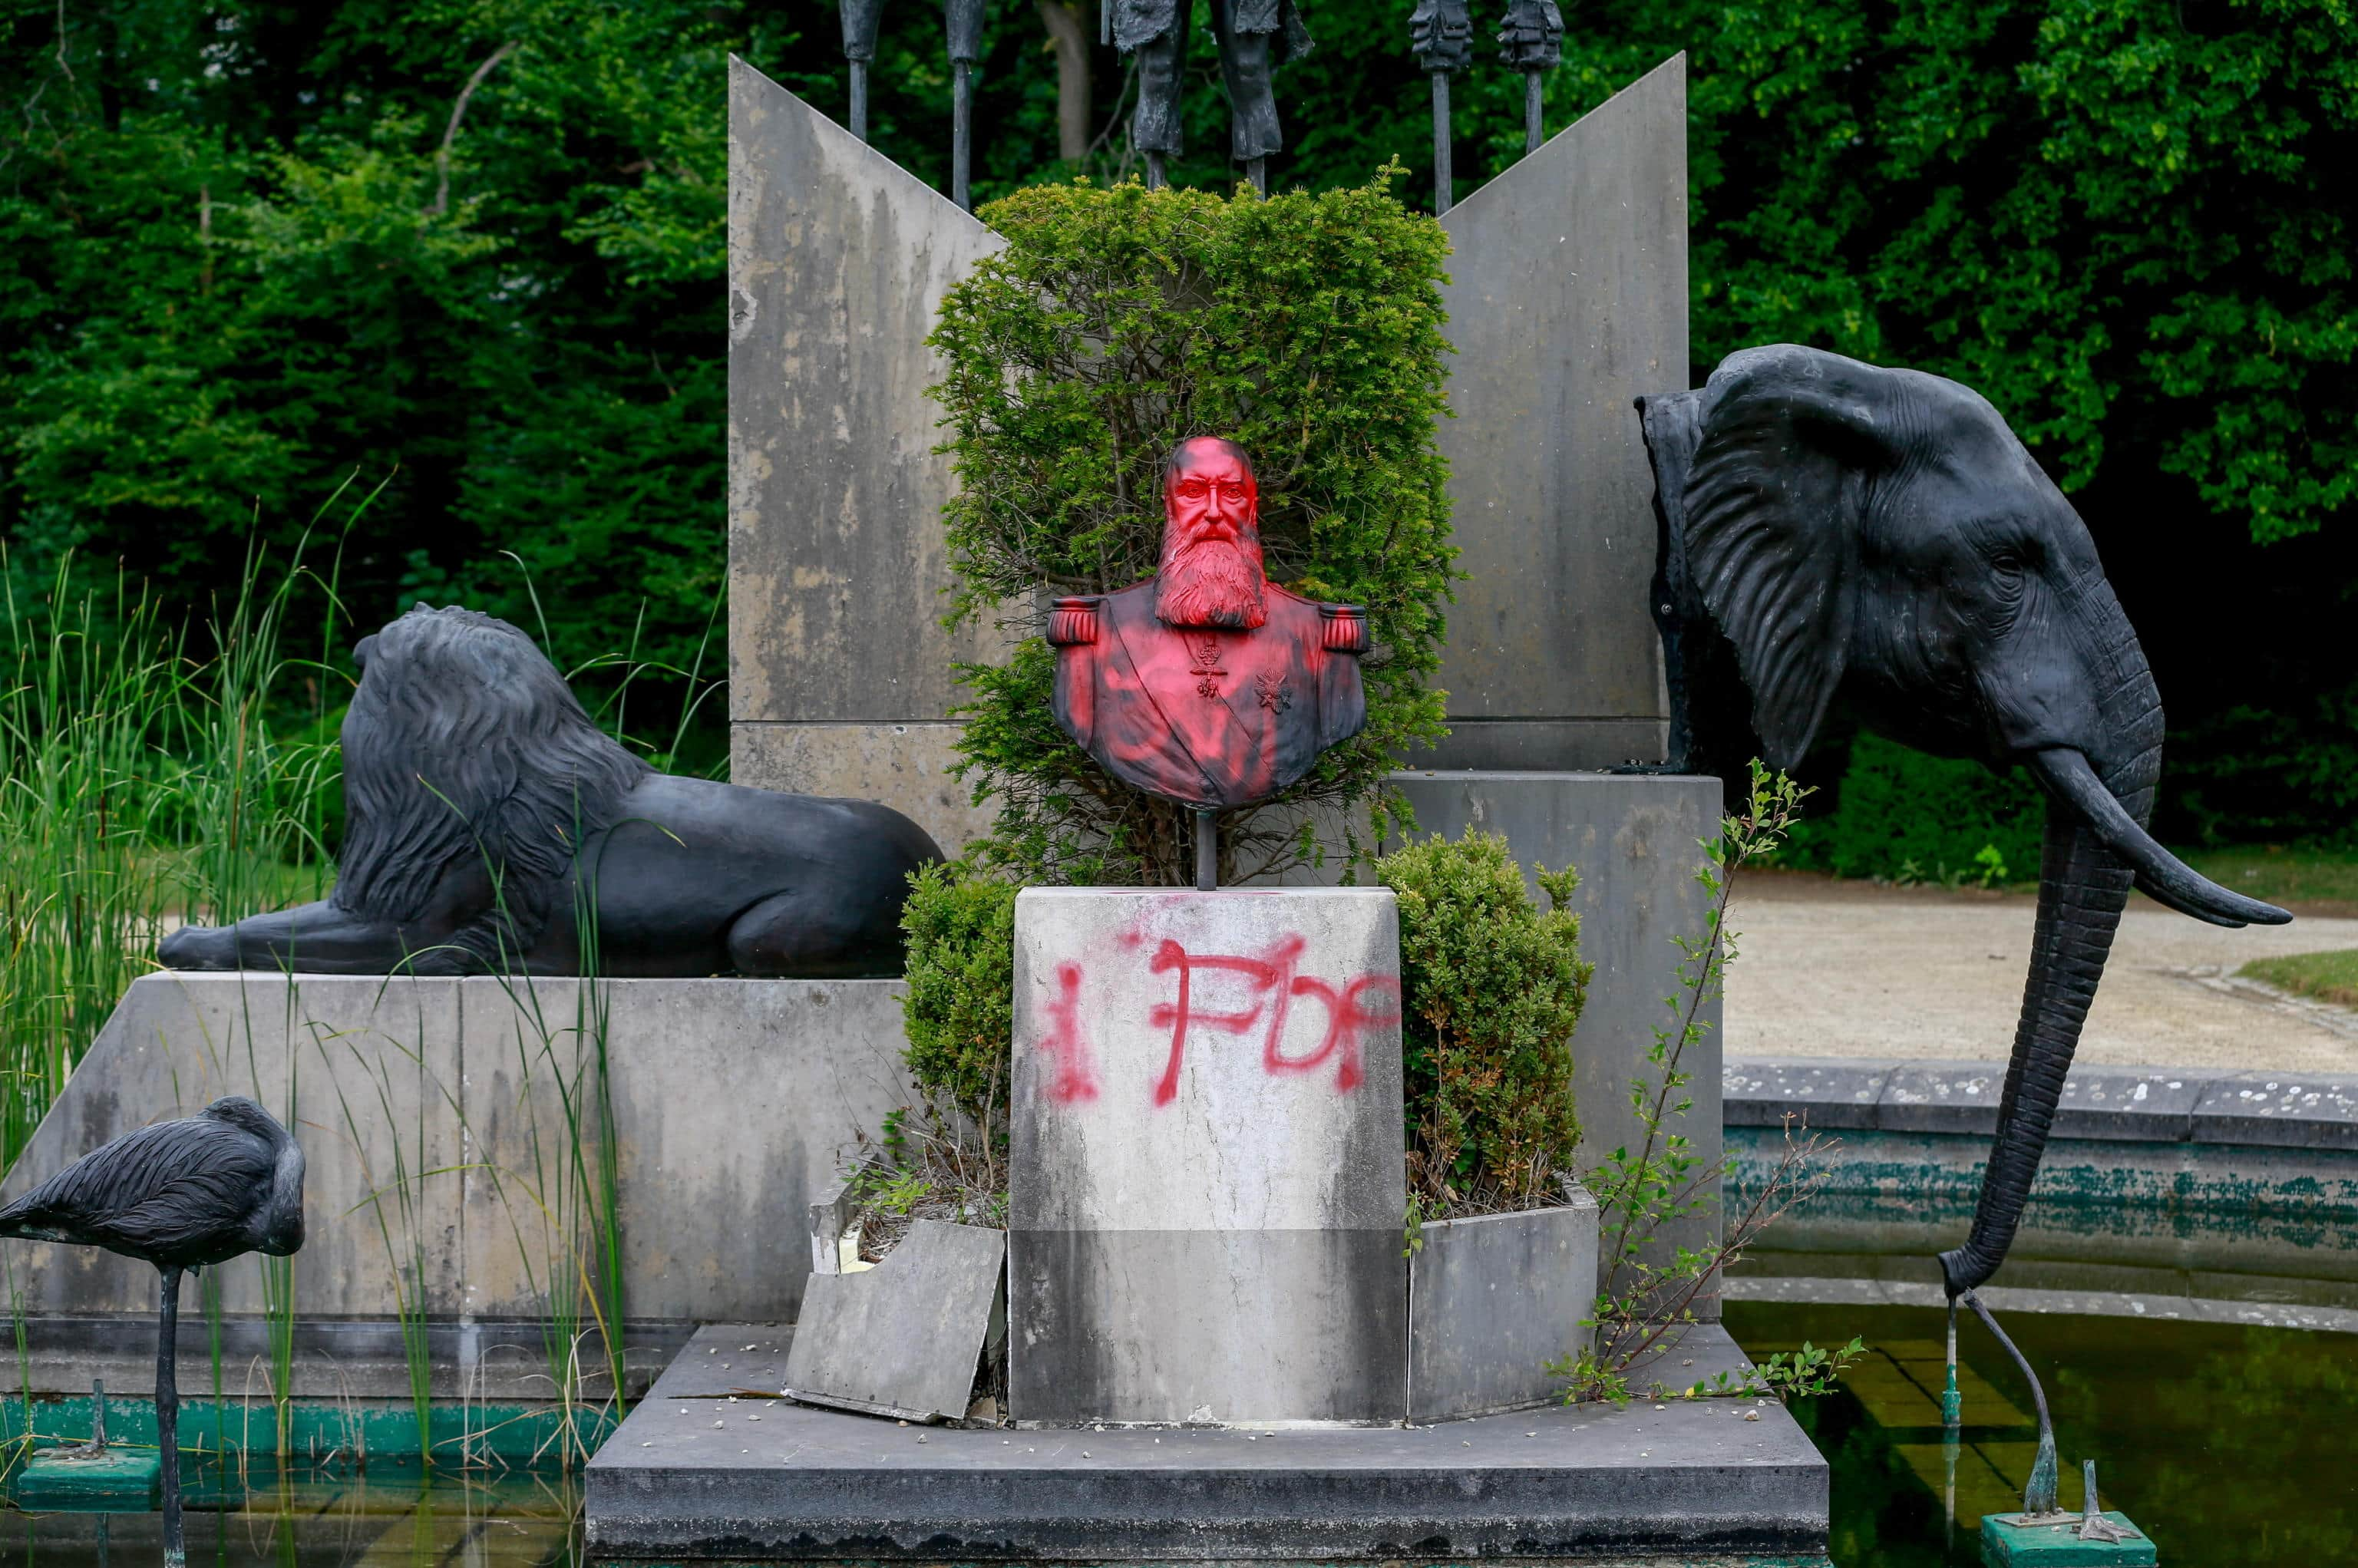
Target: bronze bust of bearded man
[[1207, 683]]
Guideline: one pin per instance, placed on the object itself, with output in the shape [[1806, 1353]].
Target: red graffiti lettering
[[1345, 1018], [1075, 1080], [1274, 985]]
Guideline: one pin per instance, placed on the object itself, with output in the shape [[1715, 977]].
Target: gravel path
[[1829, 969]]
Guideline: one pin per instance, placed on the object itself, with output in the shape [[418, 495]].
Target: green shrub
[[1115, 324], [1906, 816], [1491, 992], [960, 1002]]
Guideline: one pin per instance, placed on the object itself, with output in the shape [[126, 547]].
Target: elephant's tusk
[[2161, 875]]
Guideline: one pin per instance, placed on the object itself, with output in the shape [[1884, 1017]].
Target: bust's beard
[[1210, 582]]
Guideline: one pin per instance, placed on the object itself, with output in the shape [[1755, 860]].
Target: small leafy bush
[[960, 1004], [1114, 323], [1902, 815], [1491, 991]]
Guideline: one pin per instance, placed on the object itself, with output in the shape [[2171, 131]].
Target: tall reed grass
[[149, 772], [154, 771]]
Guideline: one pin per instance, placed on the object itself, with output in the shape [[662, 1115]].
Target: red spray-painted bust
[[1207, 683]]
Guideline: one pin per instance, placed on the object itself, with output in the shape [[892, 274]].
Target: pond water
[[391, 1517], [2229, 1444], [2229, 1441]]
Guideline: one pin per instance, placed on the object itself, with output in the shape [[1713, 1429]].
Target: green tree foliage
[[1118, 322], [960, 1002], [1491, 991], [230, 275], [1905, 817]]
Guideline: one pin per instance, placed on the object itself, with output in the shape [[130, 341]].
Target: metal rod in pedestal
[[962, 135], [1442, 177], [1534, 98], [1207, 850], [1155, 178], [860, 99]]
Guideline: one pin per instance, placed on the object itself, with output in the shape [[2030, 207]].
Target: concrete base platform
[[702, 1478]]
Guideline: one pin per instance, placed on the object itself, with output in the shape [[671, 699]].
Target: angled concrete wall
[[840, 670], [732, 1101], [1568, 299]]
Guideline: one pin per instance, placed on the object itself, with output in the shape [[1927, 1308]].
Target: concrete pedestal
[[733, 1101], [1634, 838], [1207, 1186]]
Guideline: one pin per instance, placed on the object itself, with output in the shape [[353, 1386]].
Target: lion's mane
[[463, 740]]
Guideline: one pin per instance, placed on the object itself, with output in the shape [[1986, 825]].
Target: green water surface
[[2233, 1446]]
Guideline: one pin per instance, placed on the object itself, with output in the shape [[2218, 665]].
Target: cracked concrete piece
[[839, 668], [903, 1338], [1579, 1482], [1206, 1183], [1567, 300], [1492, 1299]]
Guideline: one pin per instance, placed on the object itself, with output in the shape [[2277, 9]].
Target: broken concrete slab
[[1492, 1300], [904, 1338], [1581, 1481], [1207, 1157]]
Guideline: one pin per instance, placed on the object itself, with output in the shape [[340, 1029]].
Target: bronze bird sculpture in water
[[179, 1194]]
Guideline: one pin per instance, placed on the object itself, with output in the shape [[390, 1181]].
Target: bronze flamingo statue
[[179, 1194]]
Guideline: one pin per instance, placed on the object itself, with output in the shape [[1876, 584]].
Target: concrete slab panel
[[1568, 299], [1827, 1092], [1207, 1187], [1634, 838], [731, 1102], [903, 1338], [349, 1065], [1581, 1482], [1493, 1299], [722, 1360], [838, 262], [2290, 1110]]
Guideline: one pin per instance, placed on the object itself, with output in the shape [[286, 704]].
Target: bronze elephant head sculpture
[[1834, 529]]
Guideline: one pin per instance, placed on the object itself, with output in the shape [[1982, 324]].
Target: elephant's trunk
[[2096, 848]]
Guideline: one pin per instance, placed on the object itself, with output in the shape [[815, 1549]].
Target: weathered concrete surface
[[1634, 838], [1207, 1186], [838, 261], [2100, 1102], [726, 1360], [1584, 1481], [732, 1101], [1568, 299], [334, 1360], [903, 1338], [1491, 1301]]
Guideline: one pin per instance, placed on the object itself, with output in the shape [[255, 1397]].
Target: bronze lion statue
[[486, 816]]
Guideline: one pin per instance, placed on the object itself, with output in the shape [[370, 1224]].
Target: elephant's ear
[[1775, 497]]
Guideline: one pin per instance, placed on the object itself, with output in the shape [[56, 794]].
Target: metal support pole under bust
[[1207, 850], [1256, 171], [168, 1418], [1441, 176], [1155, 178], [1534, 101], [858, 127], [962, 135]]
